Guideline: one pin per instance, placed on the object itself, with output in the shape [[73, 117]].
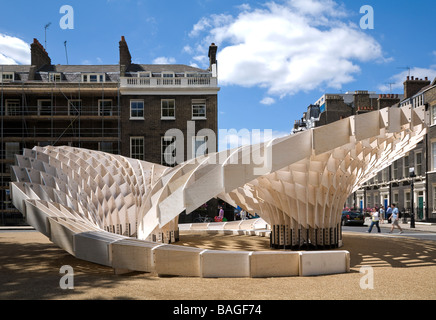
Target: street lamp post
[[412, 215]]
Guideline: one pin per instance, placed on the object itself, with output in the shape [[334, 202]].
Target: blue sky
[[275, 57]]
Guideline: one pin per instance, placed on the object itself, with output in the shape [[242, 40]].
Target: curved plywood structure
[[109, 209]]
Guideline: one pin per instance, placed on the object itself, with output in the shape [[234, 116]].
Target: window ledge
[[199, 118], [137, 118], [168, 118]]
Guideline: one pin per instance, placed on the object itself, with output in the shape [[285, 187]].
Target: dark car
[[352, 218]]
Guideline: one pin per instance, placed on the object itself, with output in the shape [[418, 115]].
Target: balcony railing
[[185, 82]]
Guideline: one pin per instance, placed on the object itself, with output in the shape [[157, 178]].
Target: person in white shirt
[[375, 221]]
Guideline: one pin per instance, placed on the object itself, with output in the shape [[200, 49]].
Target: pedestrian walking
[[221, 213], [243, 215], [395, 219], [375, 220], [388, 214], [382, 214]]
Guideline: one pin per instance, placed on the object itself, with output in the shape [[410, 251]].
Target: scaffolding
[[40, 113]]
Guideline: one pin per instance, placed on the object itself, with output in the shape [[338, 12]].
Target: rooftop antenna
[[407, 68], [45, 33], [66, 52], [390, 86]]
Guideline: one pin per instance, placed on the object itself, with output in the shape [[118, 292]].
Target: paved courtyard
[[403, 268]]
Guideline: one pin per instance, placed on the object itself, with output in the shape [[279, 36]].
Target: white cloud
[[318, 8], [244, 7], [201, 59], [215, 21], [194, 65], [188, 49], [268, 101], [164, 60], [6, 60], [88, 62], [290, 47], [13, 50], [199, 27], [396, 82]]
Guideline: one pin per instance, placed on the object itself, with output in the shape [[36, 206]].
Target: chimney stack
[[39, 57], [212, 59], [125, 57], [412, 86]]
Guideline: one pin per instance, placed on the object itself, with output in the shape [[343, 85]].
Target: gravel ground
[[403, 269]]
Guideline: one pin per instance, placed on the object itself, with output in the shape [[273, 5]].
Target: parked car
[[352, 218]]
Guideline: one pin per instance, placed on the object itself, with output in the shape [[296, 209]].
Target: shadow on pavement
[[32, 271], [389, 252]]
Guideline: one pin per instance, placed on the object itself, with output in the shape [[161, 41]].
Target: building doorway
[[420, 212]]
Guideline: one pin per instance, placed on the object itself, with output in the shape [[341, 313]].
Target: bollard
[[412, 221]]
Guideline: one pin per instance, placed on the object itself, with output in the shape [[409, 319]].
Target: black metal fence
[[419, 214]]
